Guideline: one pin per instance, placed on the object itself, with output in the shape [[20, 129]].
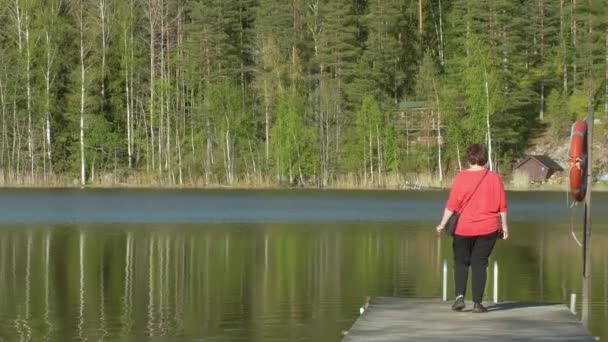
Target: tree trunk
[[209, 156], [147, 137], [82, 98], [301, 175], [253, 158], [338, 119], [128, 105], [267, 121], [12, 165], [168, 111], [321, 124], [180, 95], [103, 8], [371, 159], [420, 19], [30, 142], [47, 79], [379, 148], [227, 155], [485, 74], [407, 136], [18, 171], [438, 132], [428, 145], [364, 162], [441, 52], [439, 147], [541, 6], [468, 28], [562, 36], [573, 14], [179, 155], [242, 55], [134, 116], [16, 133], [4, 143], [315, 30], [458, 154], [152, 18], [161, 114], [294, 48]]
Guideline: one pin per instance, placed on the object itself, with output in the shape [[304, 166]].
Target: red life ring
[[578, 160]]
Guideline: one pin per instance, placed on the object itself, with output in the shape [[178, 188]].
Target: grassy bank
[[351, 181], [389, 181]]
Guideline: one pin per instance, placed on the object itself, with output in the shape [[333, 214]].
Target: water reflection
[[253, 282]]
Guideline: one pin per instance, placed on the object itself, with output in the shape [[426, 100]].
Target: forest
[[288, 92]]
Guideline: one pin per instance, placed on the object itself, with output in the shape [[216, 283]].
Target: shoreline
[[601, 187], [388, 182]]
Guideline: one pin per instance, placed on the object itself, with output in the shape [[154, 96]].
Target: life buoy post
[[578, 160]]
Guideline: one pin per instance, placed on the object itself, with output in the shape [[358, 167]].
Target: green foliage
[[558, 116], [387, 61], [292, 141], [306, 90], [578, 104], [374, 138], [482, 90]]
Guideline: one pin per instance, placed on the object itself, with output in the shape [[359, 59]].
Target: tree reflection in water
[[254, 282]]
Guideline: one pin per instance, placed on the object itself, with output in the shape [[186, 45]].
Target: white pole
[[495, 282], [445, 280], [573, 303]]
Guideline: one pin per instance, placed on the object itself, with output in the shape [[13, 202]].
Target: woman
[[479, 196]]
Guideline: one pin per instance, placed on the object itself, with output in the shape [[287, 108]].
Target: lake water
[[143, 265]]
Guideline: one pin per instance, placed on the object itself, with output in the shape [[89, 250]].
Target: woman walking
[[479, 196]]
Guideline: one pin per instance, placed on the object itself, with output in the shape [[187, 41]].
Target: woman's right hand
[[440, 228], [444, 220]]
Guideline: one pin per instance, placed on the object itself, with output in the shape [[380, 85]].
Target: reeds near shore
[[350, 181], [518, 181]]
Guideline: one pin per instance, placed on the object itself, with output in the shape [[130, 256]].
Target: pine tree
[[274, 43], [333, 29], [210, 57], [389, 53]]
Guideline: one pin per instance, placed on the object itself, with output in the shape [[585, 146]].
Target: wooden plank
[[401, 319]]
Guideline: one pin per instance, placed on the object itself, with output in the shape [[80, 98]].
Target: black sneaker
[[458, 304], [479, 308]]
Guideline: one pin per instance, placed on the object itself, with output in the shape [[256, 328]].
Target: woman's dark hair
[[477, 154]]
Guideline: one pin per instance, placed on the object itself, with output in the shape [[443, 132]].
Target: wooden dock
[[401, 319]]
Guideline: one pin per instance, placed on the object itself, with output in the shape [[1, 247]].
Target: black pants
[[472, 251]]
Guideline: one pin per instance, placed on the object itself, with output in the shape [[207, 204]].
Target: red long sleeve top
[[481, 215]]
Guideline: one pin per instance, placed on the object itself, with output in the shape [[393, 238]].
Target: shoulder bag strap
[[471, 196]]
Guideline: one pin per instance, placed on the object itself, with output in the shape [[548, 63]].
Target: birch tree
[[80, 14], [126, 23], [104, 18], [152, 10], [22, 16], [483, 95], [52, 30]]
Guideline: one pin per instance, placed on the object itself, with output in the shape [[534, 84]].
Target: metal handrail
[[445, 282]]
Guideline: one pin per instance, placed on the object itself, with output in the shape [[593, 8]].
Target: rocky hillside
[[558, 150]]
